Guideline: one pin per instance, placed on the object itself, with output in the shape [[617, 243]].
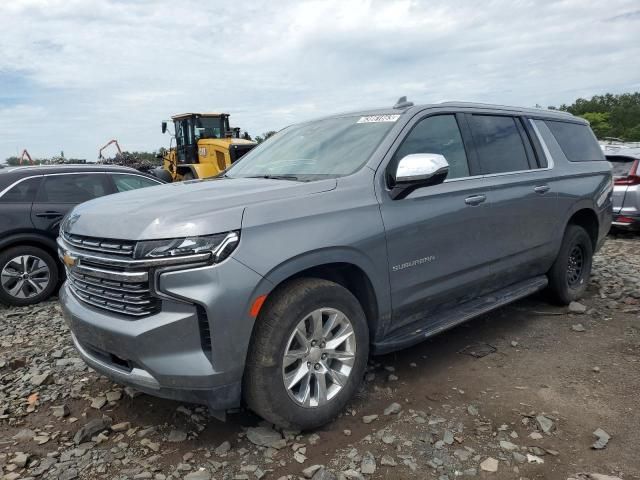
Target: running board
[[415, 333]]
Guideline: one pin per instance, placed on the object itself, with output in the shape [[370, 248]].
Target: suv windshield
[[328, 148]]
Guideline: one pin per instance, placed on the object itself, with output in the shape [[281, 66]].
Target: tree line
[[151, 157], [610, 115]]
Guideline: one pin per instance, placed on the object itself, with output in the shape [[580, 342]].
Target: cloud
[[75, 73]]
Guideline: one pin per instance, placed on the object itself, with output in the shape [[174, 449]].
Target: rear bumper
[[626, 207], [626, 221]]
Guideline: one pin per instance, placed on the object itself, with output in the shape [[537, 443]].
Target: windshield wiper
[[276, 177]]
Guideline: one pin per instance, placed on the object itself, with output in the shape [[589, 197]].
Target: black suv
[[33, 201]]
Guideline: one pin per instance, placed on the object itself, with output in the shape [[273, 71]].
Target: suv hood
[[198, 207]]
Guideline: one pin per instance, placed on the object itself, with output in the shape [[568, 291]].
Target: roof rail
[[505, 107]]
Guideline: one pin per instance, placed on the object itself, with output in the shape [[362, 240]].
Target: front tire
[[308, 354], [28, 275], [569, 274]]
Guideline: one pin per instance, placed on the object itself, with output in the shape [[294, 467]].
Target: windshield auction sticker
[[378, 118]]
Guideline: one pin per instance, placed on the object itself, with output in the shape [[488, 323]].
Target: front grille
[[103, 245], [132, 297]]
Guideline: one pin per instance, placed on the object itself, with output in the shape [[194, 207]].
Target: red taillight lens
[[623, 219], [629, 180]]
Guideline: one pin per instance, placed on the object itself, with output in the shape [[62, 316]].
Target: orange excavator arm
[[110, 142], [26, 155]]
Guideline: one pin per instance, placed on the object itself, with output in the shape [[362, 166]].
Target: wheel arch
[[346, 269], [31, 239], [587, 219]]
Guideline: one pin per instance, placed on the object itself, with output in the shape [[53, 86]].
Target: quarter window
[[69, 188], [498, 143], [577, 141], [23, 192], [124, 183], [438, 134]]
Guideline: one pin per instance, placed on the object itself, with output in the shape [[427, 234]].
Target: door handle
[[475, 199], [49, 214], [542, 189]]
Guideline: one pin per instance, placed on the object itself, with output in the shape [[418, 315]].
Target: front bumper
[[193, 349]]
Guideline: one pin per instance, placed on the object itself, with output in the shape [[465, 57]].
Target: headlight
[[219, 246]]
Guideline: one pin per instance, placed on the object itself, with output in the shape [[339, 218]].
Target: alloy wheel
[[319, 357], [575, 266], [25, 276]]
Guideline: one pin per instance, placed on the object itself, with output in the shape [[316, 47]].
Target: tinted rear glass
[[621, 166], [23, 192], [72, 188], [577, 141], [498, 144], [124, 183]]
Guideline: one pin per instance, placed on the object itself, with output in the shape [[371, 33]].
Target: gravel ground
[[517, 393]]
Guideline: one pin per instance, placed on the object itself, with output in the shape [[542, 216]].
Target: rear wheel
[[28, 275], [162, 174], [308, 354], [569, 275], [187, 176]]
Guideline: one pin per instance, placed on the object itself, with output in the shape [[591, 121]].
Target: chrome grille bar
[[96, 281], [111, 306], [106, 280], [110, 295], [107, 261], [118, 247]]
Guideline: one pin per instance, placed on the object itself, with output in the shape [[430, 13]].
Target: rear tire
[[162, 174], [569, 274], [28, 275], [285, 345], [187, 176]]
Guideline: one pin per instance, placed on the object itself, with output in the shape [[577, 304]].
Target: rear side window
[[124, 183], [621, 165], [72, 188], [577, 141], [23, 192], [499, 144]]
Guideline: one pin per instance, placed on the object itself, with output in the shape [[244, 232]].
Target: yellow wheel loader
[[205, 145]]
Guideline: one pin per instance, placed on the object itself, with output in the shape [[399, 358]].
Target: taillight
[[624, 220], [628, 180]]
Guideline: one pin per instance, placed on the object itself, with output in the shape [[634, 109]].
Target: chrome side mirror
[[418, 170]]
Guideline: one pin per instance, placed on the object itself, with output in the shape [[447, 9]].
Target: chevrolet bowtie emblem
[[68, 260]]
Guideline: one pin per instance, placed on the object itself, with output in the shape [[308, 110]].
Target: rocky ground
[[529, 391]]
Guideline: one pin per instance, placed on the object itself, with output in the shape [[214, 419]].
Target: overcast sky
[[76, 73]]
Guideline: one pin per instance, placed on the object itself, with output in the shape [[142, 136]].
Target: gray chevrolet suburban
[[355, 234]]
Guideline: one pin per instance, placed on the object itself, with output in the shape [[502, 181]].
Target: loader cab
[[191, 127]]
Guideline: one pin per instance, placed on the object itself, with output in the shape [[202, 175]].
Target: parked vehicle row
[[353, 234], [33, 201]]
